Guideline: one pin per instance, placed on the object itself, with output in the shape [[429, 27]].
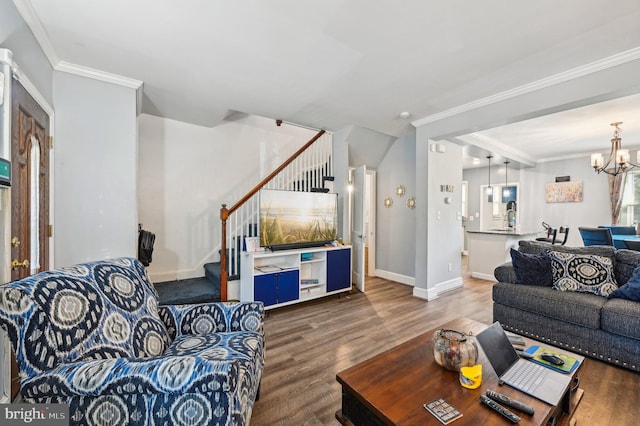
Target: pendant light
[[506, 191], [489, 187]]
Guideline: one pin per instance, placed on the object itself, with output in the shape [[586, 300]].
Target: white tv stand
[[280, 278]]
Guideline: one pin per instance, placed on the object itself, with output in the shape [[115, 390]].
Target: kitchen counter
[[506, 231], [492, 247]]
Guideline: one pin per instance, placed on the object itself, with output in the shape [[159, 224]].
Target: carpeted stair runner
[[192, 290]]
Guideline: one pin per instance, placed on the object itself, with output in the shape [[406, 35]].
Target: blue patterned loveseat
[[92, 336]]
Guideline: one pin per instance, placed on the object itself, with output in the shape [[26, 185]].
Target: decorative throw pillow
[[532, 269], [582, 272], [631, 290]]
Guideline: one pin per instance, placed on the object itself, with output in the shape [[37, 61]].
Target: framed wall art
[[563, 192]]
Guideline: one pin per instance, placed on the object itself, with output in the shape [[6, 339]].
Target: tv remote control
[[504, 399], [499, 409]]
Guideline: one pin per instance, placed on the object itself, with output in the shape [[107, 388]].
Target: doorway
[[362, 223], [30, 230], [370, 223], [26, 218]]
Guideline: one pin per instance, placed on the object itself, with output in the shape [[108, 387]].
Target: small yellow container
[[471, 377]]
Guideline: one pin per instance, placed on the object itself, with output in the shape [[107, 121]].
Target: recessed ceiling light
[[475, 160], [405, 114]]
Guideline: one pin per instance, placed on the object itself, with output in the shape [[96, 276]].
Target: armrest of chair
[[505, 273], [207, 318], [123, 376]]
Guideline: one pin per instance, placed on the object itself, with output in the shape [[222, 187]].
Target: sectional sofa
[[598, 326]]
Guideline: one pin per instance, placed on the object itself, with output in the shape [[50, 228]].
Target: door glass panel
[[34, 213]]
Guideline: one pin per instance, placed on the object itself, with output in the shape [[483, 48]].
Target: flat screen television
[[294, 219]]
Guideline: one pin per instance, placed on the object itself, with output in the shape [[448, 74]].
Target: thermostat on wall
[[5, 172]]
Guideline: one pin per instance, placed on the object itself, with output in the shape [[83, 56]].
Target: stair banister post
[[224, 215]]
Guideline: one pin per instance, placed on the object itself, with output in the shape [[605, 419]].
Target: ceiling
[[340, 63]]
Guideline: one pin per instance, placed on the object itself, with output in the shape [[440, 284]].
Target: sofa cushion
[[626, 262], [535, 247], [532, 269], [621, 317], [582, 273], [576, 308]]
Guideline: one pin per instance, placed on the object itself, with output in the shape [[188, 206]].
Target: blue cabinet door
[[338, 269], [265, 289], [288, 286]]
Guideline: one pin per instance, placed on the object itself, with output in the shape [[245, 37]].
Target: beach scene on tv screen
[[291, 217]]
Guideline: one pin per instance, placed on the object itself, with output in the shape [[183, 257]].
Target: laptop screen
[[497, 347]]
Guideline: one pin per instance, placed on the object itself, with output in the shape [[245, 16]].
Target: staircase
[[308, 169]]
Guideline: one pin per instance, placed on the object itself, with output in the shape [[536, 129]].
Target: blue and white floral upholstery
[[92, 336]]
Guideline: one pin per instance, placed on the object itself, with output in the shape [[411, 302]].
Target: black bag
[[145, 246]]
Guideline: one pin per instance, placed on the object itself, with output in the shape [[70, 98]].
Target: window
[[630, 214]]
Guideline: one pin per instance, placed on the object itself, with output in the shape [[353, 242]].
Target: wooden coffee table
[[390, 388]]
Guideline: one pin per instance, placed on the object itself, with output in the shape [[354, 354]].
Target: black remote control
[[504, 399], [499, 409]]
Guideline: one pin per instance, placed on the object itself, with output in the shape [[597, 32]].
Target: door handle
[[15, 264]]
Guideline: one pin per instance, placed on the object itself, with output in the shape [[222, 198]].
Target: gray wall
[[16, 36], [533, 208], [444, 232], [395, 226], [95, 170]]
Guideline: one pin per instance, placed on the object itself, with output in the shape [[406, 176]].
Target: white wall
[[186, 172], [95, 170]]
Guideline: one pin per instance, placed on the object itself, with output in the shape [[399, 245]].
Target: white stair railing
[[303, 171]]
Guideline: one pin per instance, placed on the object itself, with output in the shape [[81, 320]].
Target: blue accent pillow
[[631, 290], [532, 269]]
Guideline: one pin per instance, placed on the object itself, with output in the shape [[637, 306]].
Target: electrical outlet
[[450, 267], [438, 215]]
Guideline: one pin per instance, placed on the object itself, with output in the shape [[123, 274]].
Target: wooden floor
[[307, 344]]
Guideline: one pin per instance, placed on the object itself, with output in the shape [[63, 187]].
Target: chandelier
[[619, 156]]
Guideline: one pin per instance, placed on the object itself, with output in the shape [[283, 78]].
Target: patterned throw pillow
[[584, 273]]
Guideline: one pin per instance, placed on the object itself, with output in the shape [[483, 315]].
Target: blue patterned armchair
[[92, 336]]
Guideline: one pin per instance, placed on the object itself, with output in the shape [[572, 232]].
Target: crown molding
[[491, 144], [593, 67], [95, 74], [28, 13]]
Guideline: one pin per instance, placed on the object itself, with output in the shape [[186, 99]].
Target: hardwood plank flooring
[[307, 344]]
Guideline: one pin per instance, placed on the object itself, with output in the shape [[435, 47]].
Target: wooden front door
[[29, 192], [30, 185]]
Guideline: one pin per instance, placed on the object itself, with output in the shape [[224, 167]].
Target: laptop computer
[[519, 373]]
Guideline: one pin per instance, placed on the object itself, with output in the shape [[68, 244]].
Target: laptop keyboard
[[526, 376]]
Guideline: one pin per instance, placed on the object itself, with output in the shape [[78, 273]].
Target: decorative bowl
[[453, 349]]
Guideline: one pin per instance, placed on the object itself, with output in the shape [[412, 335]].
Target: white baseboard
[[449, 285], [399, 278], [482, 276], [432, 293], [158, 277], [423, 293]]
